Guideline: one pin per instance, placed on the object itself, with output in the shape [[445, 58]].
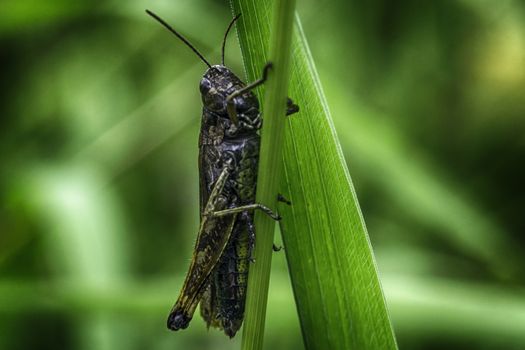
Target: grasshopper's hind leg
[[250, 226], [247, 207], [201, 267]]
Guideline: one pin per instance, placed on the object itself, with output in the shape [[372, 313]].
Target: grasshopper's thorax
[[216, 85]]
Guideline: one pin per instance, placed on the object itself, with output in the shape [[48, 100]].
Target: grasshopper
[[228, 160]]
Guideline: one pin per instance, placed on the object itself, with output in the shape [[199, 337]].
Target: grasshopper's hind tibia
[[250, 226], [244, 208], [249, 221]]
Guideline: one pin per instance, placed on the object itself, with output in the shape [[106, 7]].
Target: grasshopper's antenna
[[168, 27], [226, 35]]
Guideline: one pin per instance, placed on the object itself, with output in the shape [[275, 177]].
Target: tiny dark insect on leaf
[[228, 158]]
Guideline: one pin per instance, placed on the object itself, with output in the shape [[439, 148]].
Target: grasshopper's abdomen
[[232, 271], [231, 281]]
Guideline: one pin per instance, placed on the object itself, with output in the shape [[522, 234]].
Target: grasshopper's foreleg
[[248, 207], [291, 107], [230, 103]]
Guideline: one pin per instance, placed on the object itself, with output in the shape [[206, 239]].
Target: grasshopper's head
[[217, 84], [178, 320]]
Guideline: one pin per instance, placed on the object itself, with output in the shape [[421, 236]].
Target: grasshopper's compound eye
[[214, 101], [205, 86], [178, 320]]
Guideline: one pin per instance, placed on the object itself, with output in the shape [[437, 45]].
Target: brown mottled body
[[218, 272], [228, 159], [223, 303]]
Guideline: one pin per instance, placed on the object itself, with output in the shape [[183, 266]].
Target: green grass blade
[[334, 275], [269, 172]]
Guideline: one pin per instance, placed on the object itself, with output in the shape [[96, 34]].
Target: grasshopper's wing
[[214, 234], [209, 304]]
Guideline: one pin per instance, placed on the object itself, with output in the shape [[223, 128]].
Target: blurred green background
[[98, 170]]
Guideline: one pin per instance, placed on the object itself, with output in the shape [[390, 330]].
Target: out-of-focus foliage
[[98, 177]]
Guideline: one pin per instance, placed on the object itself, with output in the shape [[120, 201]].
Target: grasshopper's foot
[[291, 108], [281, 198], [267, 67], [267, 211]]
